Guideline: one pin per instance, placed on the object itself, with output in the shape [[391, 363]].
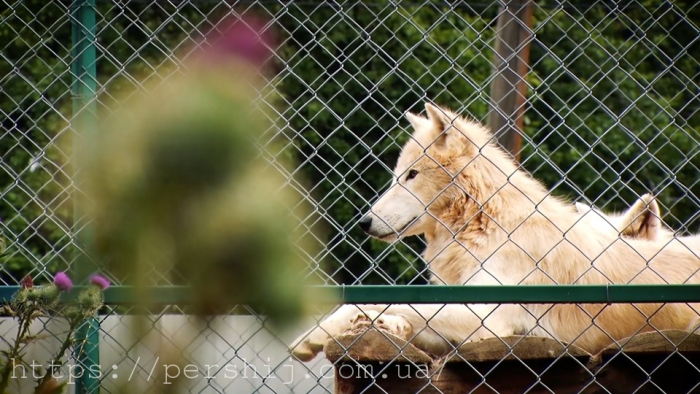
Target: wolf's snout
[[365, 223]]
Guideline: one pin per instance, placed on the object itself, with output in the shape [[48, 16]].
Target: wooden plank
[[516, 347], [510, 60], [376, 362], [373, 345], [651, 362], [664, 341], [563, 375]]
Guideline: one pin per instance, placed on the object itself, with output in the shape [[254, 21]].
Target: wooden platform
[[376, 362]]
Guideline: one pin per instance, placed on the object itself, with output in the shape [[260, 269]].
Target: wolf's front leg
[[309, 344], [439, 328], [434, 328]]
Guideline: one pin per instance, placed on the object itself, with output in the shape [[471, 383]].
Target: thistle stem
[[25, 321], [61, 352]]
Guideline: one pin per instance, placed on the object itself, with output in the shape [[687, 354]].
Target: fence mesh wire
[[610, 105]]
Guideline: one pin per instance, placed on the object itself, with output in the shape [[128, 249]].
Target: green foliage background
[[612, 113]]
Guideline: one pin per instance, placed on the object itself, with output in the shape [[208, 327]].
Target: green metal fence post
[[84, 70]]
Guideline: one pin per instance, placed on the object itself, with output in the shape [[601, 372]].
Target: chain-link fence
[[598, 100]]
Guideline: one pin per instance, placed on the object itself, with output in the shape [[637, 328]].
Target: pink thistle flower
[[100, 281], [249, 39], [27, 282], [62, 281]]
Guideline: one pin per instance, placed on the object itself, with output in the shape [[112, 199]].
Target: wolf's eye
[[411, 174]]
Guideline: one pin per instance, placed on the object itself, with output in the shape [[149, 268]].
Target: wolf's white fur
[[488, 222], [641, 220]]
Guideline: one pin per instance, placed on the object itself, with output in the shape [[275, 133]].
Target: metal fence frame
[[84, 89]]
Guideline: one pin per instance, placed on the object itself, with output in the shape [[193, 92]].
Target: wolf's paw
[[310, 344], [392, 324]]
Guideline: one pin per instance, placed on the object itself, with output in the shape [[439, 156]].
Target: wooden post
[[511, 58]]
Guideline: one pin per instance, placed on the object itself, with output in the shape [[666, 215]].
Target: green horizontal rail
[[422, 294]]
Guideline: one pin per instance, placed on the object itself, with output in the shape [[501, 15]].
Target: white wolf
[[487, 222]]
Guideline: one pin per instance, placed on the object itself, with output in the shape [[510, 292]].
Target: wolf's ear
[[417, 121], [441, 120], [581, 207], [643, 219], [653, 205], [448, 130]]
